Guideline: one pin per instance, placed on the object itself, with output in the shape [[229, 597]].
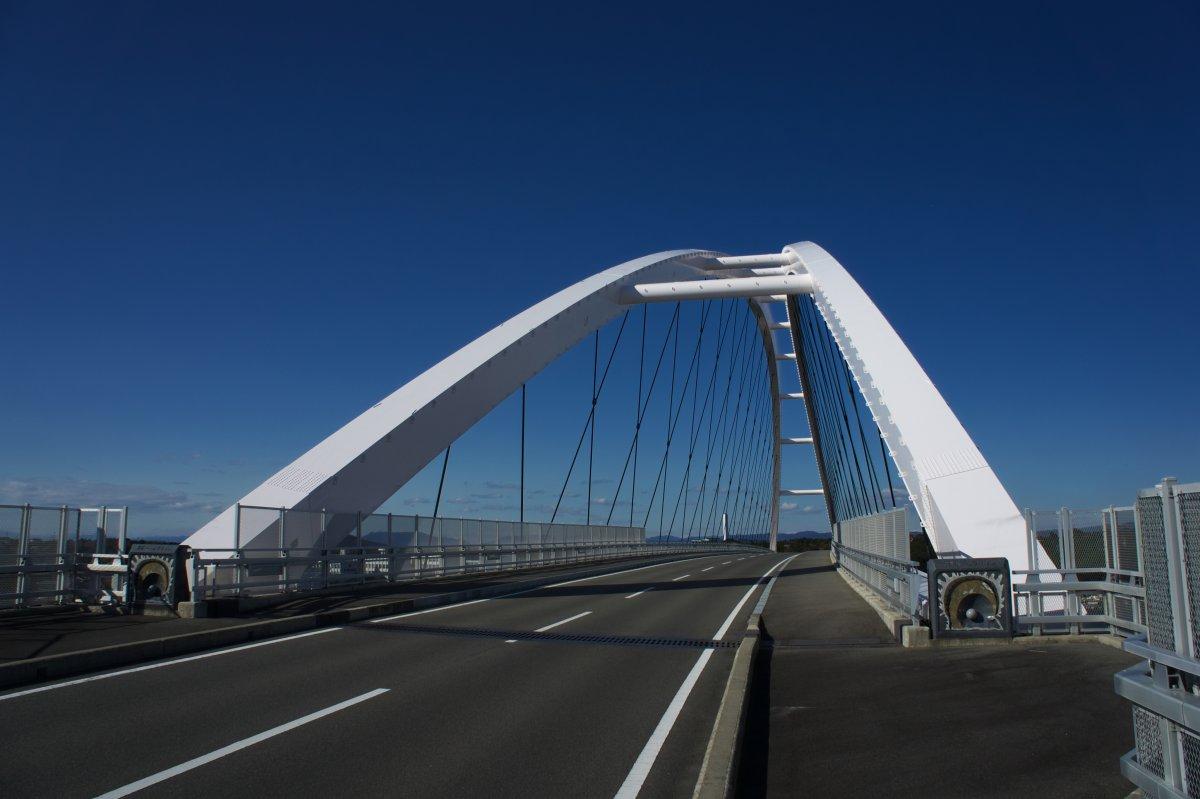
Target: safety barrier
[[875, 549], [51, 555], [898, 582], [296, 551], [1086, 573], [1165, 687]]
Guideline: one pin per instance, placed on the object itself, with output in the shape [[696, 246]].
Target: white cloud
[[74, 492]]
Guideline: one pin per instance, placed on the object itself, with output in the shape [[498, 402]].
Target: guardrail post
[[22, 551], [324, 550], [1175, 569], [60, 583], [391, 571], [283, 571]]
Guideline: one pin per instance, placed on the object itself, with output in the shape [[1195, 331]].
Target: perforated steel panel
[[1123, 607], [1189, 523], [1127, 551], [1087, 539], [1191, 762], [1147, 736], [1159, 618]]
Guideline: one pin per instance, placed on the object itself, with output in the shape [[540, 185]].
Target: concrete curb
[[70, 664], [899, 625], [718, 773]]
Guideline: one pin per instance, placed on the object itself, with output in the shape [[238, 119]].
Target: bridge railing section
[[1165, 687], [284, 550], [51, 555], [875, 549], [1086, 573]]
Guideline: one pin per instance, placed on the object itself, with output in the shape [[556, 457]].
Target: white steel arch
[[366, 461], [961, 502]]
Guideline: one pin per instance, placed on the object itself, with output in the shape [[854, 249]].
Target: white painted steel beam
[[772, 259], [786, 356], [718, 288], [794, 395], [795, 441], [961, 502], [801, 492]]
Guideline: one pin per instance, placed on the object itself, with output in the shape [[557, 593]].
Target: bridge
[[653, 641]]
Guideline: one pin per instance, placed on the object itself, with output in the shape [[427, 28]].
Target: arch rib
[[366, 461], [960, 500]]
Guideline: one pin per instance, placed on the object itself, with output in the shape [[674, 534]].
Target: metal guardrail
[[45, 552], [898, 582], [1087, 576], [1165, 688], [255, 572], [1086, 573], [1051, 601], [286, 550]]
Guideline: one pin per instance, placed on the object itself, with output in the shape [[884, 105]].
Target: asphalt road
[[616, 694]]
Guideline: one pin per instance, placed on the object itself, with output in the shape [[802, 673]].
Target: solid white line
[[639, 593], [710, 568], [216, 754], [519, 593], [729, 619], [641, 767], [684, 577], [564, 621], [159, 665], [441, 607]]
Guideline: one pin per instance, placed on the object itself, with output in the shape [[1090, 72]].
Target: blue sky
[[226, 229]]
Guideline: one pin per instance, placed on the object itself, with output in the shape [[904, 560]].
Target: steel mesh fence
[[1189, 745], [1148, 738], [1189, 524], [1160, 618]]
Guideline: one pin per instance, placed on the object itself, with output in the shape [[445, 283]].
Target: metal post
[[1175, 569], [60, 583], [362, 557], [324, 551], [521, 501], [283, 570], [391, 572], [1066, 537], [22, 551]]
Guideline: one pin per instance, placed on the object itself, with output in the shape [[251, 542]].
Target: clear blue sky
[[225, 229]]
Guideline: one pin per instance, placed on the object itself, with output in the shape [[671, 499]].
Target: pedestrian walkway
[[840, 711]]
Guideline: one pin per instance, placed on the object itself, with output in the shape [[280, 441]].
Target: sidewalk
[[839, 709]]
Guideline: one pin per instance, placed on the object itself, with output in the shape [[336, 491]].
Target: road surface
[[598, 687]]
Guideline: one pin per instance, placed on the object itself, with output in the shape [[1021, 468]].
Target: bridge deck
[[560, 691], [55, 631], [835, 713]]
